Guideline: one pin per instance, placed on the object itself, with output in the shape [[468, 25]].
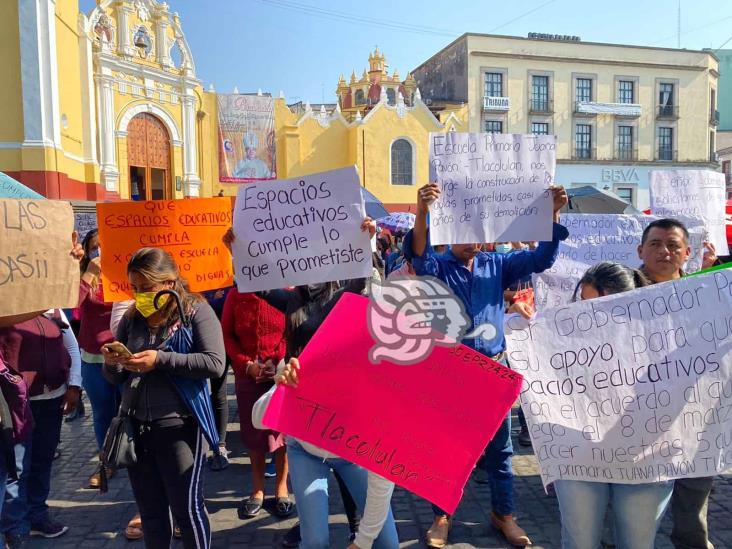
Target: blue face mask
[[503, 248]]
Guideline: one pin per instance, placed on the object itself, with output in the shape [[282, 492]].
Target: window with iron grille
[[665, 143], [494, 126], [625, 142], [625, 91], [666, 94], [666, 99], [540, 128], [493, 84], [584, 89], [583, 141], [401, 162], [540, 93]]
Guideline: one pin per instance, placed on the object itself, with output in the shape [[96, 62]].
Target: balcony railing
[[496, 103], [667, 112], [584, 153], [667, 154], [626, 154], [541, 105], [714, 118]]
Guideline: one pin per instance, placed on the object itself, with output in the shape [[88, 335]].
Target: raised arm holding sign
[[494, 187], [478, 279]]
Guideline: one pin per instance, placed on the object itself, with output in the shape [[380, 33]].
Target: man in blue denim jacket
[[479, 279]]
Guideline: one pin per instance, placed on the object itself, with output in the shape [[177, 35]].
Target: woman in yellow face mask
[[169, 442]]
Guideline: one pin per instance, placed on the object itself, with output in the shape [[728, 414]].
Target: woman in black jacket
[[170, 444]]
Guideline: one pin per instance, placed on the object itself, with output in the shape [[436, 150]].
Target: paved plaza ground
[[97, 520]]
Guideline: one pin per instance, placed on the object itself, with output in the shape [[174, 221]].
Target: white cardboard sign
[[300, 231], [494, 187], [699, 193], [633, 387], [594, 238]]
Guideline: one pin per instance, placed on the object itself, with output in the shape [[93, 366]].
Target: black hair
[[611, 278], [666, 224], [85, 244]]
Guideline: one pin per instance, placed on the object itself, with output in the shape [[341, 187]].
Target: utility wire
[[345, 17], [537, 8], [339, 16], [723, 45], [704, 26]]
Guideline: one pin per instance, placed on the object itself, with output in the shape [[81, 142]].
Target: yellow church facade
[[107, 105]]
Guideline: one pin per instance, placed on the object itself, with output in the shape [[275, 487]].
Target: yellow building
[[617, 111], [96, 106], [107, 106], [379, 124]]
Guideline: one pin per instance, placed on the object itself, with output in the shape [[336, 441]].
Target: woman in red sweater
[[94, 332], [255, 342]]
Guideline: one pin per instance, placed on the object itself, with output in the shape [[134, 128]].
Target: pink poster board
[[422, 426]]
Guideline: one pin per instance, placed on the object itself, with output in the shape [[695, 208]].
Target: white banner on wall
[[633, 387]]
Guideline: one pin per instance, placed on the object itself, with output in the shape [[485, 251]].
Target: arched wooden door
[[148, 153]]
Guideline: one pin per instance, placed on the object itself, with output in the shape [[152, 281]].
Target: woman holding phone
[[171, 450], [94, 332]]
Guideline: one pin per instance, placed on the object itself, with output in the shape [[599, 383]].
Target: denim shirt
[[481, 290]]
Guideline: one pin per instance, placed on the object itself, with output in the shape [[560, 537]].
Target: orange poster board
[[190, 230]]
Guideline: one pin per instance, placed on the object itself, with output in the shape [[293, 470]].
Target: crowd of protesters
[[161, 360]]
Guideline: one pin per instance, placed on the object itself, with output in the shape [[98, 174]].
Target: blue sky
[[302, 46]]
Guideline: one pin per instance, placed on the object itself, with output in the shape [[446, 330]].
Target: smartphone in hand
[[119, 348]]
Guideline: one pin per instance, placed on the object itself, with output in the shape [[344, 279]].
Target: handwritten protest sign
[[84, 222], [699, 193], [190, 230], [493, 187], [603, 237], [633, 387], [298, 231], [36, 270], [397, 421]]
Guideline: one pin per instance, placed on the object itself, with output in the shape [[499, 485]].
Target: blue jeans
[[25, 499], [104, 398], [497, 463], [309, 476], [638, 510]]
